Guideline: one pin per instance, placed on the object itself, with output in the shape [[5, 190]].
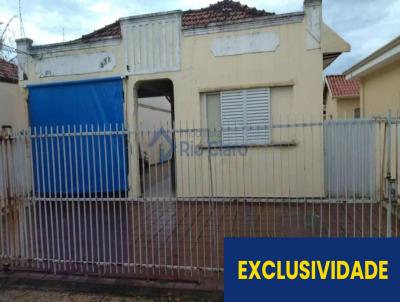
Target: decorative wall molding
[[152, 44], [76, 64], [244, 44]]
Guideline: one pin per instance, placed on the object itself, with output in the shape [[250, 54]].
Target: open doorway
[[156, 138]]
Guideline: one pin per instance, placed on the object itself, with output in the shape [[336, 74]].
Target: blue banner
[[311, 269], [71, 165]]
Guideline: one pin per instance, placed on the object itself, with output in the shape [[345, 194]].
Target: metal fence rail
[[111, 201]]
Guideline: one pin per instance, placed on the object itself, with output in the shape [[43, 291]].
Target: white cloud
[[366, 24], [101, 8]]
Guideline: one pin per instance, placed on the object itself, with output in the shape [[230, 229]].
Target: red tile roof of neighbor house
[[223, 11], [340, 87], [8, 72]]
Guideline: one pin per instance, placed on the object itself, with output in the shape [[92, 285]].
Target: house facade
[[379, 75], [341, 98], [213, 66]]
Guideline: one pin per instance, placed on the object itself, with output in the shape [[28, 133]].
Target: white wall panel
[[152, 44], [76, 64], [243, 44]]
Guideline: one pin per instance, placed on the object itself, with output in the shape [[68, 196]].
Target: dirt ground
[[49, 296]]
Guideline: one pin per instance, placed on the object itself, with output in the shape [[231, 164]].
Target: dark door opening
[[156, 138]]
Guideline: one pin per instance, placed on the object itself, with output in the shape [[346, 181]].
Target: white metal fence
[[86, 200], [351, 158]]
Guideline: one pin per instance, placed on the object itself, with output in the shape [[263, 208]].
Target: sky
[[366, 24]]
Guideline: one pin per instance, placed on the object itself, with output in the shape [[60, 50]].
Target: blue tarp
[[78, 164]]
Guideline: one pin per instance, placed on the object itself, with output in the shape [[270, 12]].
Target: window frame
[[205, 138], [268, 140]]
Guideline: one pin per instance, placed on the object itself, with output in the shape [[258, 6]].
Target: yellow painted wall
[[341, 108], [346, 107], [381, 91], [281, 171], [13, 109], [331, 107], [291, 63], [13, 112], [264, 171]]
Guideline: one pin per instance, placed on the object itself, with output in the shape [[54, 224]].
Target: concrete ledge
[[122, 287]]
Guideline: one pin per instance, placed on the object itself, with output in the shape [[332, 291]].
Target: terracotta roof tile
[[226, 10], [111, 30], [222, 11], [8, 72], [340, 87]]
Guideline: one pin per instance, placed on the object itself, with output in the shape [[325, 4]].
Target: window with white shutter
[[245, 116]]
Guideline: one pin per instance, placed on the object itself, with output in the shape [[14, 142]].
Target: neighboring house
[[12, 108], [379, 75], [13, 117], [214, 65], [341, 98]]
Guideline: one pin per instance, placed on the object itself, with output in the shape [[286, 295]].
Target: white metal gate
[[352, 158], [315, 179]]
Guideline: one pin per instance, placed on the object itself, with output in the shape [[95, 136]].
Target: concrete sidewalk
[[22, 295], [25, 286], [47, 296]]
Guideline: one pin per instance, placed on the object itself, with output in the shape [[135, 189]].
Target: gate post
[[388, 176]]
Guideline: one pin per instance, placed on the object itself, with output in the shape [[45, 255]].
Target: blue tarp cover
[[78, 164]]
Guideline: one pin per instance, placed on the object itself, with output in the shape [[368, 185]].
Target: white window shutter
[[258, 115], [250, 112], [232, 117]]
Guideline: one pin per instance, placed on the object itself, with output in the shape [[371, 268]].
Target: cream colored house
[[12, 108], [204, 62], [341, 98], [379, 75]]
